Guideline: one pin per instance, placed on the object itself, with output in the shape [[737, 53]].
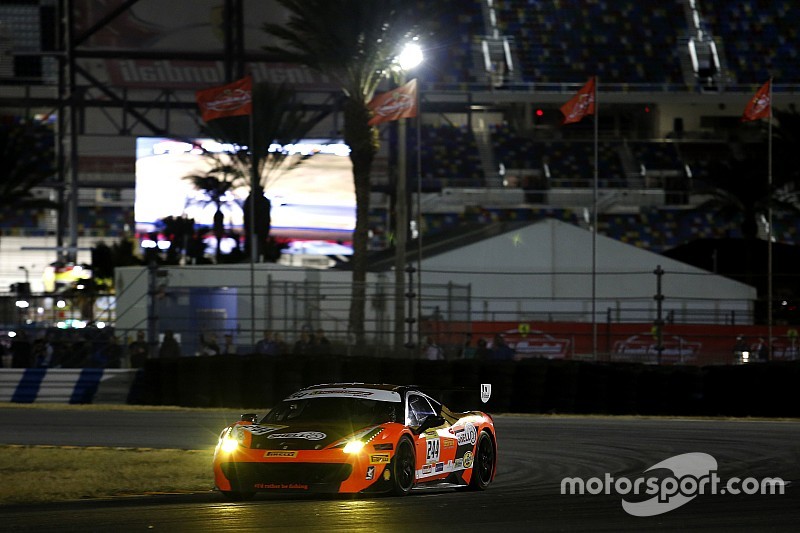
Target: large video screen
[[314, 200]]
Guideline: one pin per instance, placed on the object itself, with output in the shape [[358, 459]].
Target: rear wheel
[[483, 467], [403, 467]]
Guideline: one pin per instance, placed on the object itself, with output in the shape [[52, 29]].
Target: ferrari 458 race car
[[351, 438]]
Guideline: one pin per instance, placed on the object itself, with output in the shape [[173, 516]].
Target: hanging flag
[[232, 100], [395, 104], [581, 104], [759, 106]]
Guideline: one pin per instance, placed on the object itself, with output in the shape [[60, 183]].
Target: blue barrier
[[66, 385]]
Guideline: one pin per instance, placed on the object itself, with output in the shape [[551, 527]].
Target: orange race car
[[351, 438]]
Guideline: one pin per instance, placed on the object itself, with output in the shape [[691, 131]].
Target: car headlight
[[354, 446], [354, 443], [230, 440], [228, 444]]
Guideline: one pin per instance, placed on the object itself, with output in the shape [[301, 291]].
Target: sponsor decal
[[375, 394], [387, 474], [261, 430], [358, 393], [280, 453], [448, 443], [486, 392], [644, 348], [468, 460], [378, 458], [307, 435], [229, 101], [534, 343], [281, 486], [431, 450], [468, 435], [370, 472], [439, 468]]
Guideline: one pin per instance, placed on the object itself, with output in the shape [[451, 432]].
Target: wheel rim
[[405, 467], [485, 459]]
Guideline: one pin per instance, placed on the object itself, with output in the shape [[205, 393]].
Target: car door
[[428, 444]]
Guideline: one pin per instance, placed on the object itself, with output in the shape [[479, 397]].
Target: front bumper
[[318, 471]]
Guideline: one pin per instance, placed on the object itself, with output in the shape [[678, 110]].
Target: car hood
[[298, 436]]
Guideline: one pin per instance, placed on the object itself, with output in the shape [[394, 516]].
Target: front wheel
[[483, 467], [403, 467]]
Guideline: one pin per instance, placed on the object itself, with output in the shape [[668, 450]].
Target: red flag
[[395, 104], [581, 104], [232, 100], [759, 106]]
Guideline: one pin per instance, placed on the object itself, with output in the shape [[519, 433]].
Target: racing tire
[[236, 496], [483, 466], [403, 467]]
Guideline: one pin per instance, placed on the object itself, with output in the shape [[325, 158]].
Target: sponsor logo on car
[[261, 430], [370, 472], [280, 453], [447, 443], [468, 460], [458, 464], [378, 458], [307, 435], [332, 392], [468, 435], [281, 486], [440, 467], [486, 392]]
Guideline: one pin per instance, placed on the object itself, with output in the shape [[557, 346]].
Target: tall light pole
[[410, 57]]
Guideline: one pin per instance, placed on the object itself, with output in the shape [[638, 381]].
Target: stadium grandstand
[[673, 79]]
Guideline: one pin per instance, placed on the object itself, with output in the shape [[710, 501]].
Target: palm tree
[[354, 43], [279, 119], [738, 188], [216, 183]]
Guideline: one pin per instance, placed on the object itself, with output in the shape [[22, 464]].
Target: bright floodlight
[[410, 57]]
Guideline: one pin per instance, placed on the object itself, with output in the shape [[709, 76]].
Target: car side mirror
[[431, 421], [249, 417]]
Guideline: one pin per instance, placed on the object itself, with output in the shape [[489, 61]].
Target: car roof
[[374, 386], [386, 393], [399, 389]]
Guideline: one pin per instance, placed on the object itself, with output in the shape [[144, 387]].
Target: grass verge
[[33, 474]]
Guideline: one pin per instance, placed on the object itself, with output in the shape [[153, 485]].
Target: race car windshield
[[357, 411]]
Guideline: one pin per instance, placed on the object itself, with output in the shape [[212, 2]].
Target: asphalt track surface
[[535, 454]]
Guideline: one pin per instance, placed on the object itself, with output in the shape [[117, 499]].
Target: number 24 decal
[[432, 450]]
